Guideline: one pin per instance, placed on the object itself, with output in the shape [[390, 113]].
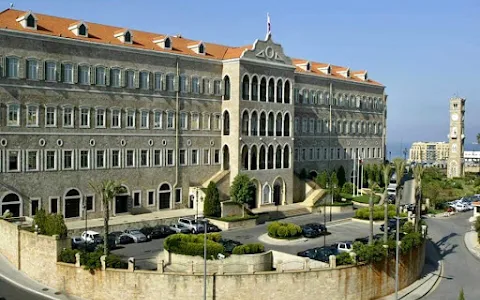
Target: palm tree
[[399, 164], [107, 189], [373, 185], [387, 169], [478, 138], [418, 174]]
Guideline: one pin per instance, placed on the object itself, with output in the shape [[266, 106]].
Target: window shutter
[[93, 73], [175, 83], [22, 70], [200, 83], [41, 70], [151, 79], [59, 70], [187, 86], [3, 62], [107, 76], [75, 73], [164, 82], [137, 79]]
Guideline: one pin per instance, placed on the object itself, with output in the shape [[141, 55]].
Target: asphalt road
[[12, 292], [461, 268]]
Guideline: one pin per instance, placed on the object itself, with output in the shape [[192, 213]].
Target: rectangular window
[[217, 122], [32, 116], [157, 120], [295, 128], [206, 86], [310, 154], [170, 120], [144, 119], [170, 82], [312, 125], [178, 195], [53, 205], [195, 121], [34, 206], [100, 78], [67, 117], [206, 156], [195, 85], [116, 118], [303, 155], [182, 157], [130, 158], [32, 67], [216, 87], [89, 201], [68, 73], [85, 117], [131, 119], [137, 198], [130, 79], [295, 155], [144, 78], [157, 157], [183, 121], [50, 116], [12, 67], [170, 157], [50, 160], [206, 121], [67, 159], [13, 115], [319, 153], [32, 160], [115, 77], [51, 71], [158, 81], [115, 158], [183, 84], [100, 159], [304, 125], [216, 156], [84, 159], [144, 158], [100, 118], [84, 74], [194, 158], [151, 198]]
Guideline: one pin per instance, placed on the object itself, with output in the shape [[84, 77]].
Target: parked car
[[343, 246], [322, 229], [91, 236], [78, 242], [229, 244], [363, 240], [320, 253], [124, 239], [180, 228], [195, 226], [391, 198], [157, 232], [310, 231], [392, 225], [210, 227], [136, 235]]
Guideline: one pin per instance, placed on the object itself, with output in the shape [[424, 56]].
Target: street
[[12, 292]]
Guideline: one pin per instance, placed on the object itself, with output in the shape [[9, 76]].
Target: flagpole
[[354, 174], [361, 178], [358, 172]]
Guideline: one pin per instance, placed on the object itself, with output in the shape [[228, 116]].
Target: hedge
[[366, 199], [378, 213], [249, 249], [50, 224], [91, 260], [188, 244], [281, 230], [344, 258]]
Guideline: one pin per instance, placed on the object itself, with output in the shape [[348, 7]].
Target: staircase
[[216, 178], [313, 198]]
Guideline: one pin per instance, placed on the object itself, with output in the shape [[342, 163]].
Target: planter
[[245, 223]]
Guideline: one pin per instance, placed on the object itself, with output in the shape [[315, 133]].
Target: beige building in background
[[428, 152]]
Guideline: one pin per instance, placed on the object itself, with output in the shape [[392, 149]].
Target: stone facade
[[165, 114], [432, 152]]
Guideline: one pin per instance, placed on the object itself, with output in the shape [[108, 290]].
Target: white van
[[391, 189]]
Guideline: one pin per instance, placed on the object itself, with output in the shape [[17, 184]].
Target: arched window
[[263, 90], [320, 98], [286, 157], [279, 91], [286, 125], [263, 124], [327, 98], [128, 37], [201, 49], [13, 203], [30, 21], [306, 98], [253, 158], [271, 124], [271, 90], [245, 88], [164, 195], [245, 122], [226, 123], [278, 125], [72, 204], [168, 43], [262, 158], [278, 158], [245, 157], [254, 124], [270, 155], [82, 30], [226, 82], [255, 88], [266, 197], [359, 128], [352, 127], [287, 92]]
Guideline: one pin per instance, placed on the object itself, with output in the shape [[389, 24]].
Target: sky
[[424, 52]]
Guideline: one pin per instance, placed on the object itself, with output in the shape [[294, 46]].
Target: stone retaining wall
[[249, 223]]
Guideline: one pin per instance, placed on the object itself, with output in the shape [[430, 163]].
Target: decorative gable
[[306, 66], [327, 70], [163, 42], [198, 48], [345, 73], [28, 20], [79, 29], [267, 51], [363, 75], [125, 36]]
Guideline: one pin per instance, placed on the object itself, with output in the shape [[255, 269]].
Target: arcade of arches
[[269, 193]]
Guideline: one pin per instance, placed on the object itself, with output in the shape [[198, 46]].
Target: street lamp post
[[205, 261], [397, 218], [86, 227]]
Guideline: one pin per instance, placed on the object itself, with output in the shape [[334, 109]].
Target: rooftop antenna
[[11, 5]]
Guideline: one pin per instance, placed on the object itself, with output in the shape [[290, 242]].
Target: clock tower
[[456, 138]]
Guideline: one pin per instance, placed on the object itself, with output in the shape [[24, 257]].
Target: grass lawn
[[340, 203], [235, 218], [366, 198]]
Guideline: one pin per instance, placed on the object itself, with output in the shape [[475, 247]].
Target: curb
[[30, 290], [472, 252]]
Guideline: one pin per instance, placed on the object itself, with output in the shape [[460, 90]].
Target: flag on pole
[[268, 25]]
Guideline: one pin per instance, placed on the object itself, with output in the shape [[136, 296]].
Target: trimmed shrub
[[91, 260], [211, 207], [188, 244], [249, 249], [347, 188], [50, 224], [115, 262], [369, 253], [410, 241], [344, 258], [378, 212], [408, 228], [68, 256], [281, 230]]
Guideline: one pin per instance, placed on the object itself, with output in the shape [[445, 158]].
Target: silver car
[[180, 228], [136, 235]]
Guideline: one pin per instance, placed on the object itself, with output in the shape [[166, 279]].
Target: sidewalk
[[471, 242], [17, 278]]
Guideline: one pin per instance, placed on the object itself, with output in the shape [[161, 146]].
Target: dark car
[[161, 231], [322, 229], [320, 253], [125, 239], [213, 228], [310, 232], [392, 225], [363, 240], [229, 244]]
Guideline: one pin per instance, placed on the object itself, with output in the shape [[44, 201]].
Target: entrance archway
[[72, 203], [313, 174], [226, 158], [164, 196], [13, 203], [257, 198], [279, 191], [266, 194], [121, 202]]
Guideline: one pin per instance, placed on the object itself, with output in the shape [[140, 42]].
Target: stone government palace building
[[81, 102]]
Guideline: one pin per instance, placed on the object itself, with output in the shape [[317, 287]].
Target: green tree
[[462, 296], [242, 191], [322, 179], [212, 206], [376, 174], [417, 175], [107, 189], [399, 164], [373, 185], [387, 174], [341, 176], [478, 138]]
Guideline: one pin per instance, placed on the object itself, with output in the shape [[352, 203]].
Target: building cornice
[[343, 80]]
